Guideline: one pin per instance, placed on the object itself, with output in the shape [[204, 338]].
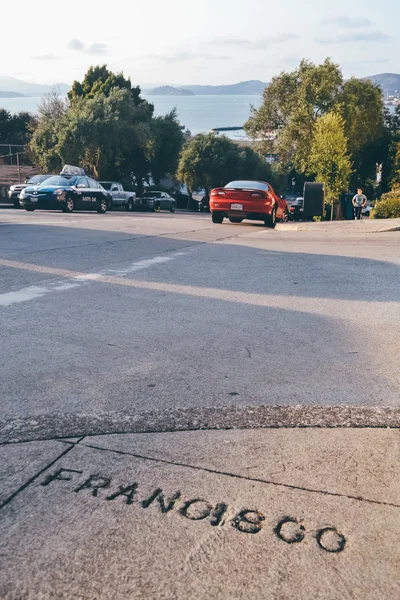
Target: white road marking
[[34, 291], [71, 280]]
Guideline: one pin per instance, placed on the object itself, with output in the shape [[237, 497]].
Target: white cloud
[[97, 49], [76, 45], [344, 37], [350, 22]]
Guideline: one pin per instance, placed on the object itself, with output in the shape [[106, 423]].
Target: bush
[[388, 207]]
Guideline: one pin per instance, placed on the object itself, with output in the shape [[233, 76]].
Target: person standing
[[359, 201]]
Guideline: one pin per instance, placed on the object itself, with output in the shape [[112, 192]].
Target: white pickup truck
[[118, 196]]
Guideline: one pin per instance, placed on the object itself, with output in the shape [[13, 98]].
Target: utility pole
[[9, 149], [19, 168]]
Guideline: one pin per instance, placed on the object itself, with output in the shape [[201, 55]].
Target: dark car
[[296, 210], [66, 193], [15, 190], [156, 201]]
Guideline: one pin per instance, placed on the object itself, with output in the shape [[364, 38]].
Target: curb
[[58, 426]]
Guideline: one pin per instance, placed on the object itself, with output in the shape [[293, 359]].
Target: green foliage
[[100, 81], [328, 160], [295, 101], [388, 207], [107, 130], [166, 145], [211, 161], [14, 129]]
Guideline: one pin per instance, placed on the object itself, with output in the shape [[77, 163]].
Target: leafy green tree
[[15, 129], [47, 128], [108, 130], [100, 81], [166, 145], [295, 101], [210, 161], [291, 106], [329, 161]]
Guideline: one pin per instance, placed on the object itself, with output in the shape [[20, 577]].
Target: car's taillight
[[292, 208], [255, 195], [221, 194]]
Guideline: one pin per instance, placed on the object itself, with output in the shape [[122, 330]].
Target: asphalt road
[[129, 313]]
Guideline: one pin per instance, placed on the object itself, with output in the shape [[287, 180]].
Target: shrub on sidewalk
[[388, 207]]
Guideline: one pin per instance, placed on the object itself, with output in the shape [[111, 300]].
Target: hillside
[[11, 84], [246, 88], [388, 82], [10, 95], [169, 90]]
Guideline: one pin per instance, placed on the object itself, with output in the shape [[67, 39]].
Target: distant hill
[[169, 90], [388, 82], [11, 95], [245, 88], [10, 84]]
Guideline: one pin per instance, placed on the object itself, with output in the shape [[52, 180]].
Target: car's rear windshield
[[106, 184], [152, 194], [247, 185], [62, 181]]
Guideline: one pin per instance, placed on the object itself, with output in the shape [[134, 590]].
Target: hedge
[[388, 207]]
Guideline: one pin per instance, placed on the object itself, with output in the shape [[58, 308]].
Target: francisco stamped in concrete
[[269, 512]]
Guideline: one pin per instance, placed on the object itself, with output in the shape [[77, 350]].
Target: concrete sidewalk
[[363, 226], [310, 513]]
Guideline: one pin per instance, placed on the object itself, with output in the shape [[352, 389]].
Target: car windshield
[[152, 195], [247, 185], [37, 179], [60, 181]]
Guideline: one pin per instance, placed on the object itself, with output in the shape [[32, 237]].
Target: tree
[[166, 146], [107, 129], [329, 161], [294, 102], [15, 129], [100, 81], [209, 161]]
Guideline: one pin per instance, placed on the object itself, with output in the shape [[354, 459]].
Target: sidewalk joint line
[[32, 479], [237, 476]]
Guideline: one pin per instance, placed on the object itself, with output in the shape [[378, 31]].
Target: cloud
[[374, 35], [97, 49], [76, 45], [257, 43], [184, 56], [347, 22], [79, 46], [46, 57]]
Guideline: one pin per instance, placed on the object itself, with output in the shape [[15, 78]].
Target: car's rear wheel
[[285, 217], [270, 220], [217, 217], [157, 207], [129, 206], [29, 208], [16, 204], [235, 219], [103, 206], [172, 209], [69, 205]]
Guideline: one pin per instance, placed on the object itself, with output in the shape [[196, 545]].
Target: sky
[[186, 42]]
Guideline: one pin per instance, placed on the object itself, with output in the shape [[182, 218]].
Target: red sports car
[[254, 200]]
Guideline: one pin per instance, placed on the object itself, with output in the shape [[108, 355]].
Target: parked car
[[15, 190], [366, 210], [118, 196], [255, 200], [156, 201], [66, 193], [296, 210]]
